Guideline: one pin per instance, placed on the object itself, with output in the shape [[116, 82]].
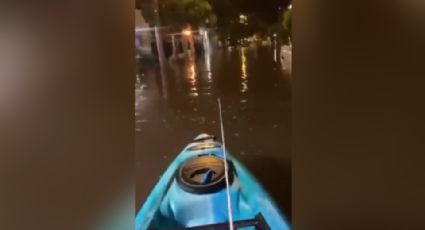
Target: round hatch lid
[[203, 174]]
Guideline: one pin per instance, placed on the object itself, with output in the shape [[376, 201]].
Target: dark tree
[[287, 20], [177, 13]]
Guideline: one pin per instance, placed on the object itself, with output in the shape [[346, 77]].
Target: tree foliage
[[177, 13], [185, 12], [147, 10], [287, 20], [225, 10]]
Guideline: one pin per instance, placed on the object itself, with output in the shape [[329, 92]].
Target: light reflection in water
[[207, 52], [208, 66], [139, 101], [138, 93], [244, 75], [207, 57], [191, 76]]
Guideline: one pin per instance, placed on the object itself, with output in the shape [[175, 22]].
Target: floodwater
[[172, 108]]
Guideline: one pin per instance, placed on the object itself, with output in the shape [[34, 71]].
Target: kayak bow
[[191, 194]]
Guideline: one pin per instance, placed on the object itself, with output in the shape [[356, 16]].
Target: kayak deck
[[172, 206]]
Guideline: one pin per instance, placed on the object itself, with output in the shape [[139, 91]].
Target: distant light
[[274, 35], [187, 32], [290, 6], [243, 18]]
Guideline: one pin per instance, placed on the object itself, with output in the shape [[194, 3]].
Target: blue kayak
[[191, 194]]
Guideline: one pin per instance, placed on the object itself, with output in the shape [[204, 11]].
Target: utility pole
[[159, 46], [158, 34]]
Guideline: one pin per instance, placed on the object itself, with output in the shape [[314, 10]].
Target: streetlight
[[187, 32], [243, 19]]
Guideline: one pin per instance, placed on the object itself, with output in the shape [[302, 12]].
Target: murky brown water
[[171, 110]]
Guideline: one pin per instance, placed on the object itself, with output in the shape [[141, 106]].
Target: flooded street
[[171, 109]]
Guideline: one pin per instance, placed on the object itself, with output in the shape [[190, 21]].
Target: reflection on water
[[244, 75], [207, 58], [208, 66], [275, 53], [191, 77], [138, 100], [207, 54], [138, 93], [245, 69]]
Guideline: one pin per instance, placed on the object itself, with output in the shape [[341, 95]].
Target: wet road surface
[[171, 109]]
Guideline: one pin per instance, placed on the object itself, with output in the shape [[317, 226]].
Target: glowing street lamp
[[187, 32], [243, 19]]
